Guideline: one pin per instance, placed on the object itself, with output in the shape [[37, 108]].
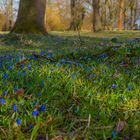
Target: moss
[[28, 28]]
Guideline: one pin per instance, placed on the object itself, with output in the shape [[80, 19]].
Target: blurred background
[[59, 14]]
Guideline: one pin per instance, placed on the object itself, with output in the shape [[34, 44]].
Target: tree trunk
[[120, 18], [77, 14], [97, 25], [31, 17]]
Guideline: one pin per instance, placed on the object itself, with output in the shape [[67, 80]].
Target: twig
[[88, 125]]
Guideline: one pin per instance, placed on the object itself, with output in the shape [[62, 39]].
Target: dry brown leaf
[[58, 138], [20, 92], [120, 126]]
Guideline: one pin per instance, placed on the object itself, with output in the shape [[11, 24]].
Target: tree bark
[[120, 17], [97, 25], [31, 17]]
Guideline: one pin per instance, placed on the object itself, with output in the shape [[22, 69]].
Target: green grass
[[86, 84]]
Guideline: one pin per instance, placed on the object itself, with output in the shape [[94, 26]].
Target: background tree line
[[93, 15]]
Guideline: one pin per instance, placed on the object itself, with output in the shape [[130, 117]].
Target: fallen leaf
[[58, 138], [20, 92], [120, 126]]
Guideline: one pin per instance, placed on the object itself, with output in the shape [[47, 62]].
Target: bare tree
[[77, 14]]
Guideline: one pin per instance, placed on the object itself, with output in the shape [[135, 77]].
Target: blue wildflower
[[114, 85], [10, 67], [39, 94], [42, 107], [42, 53], [52, 69], [4, 93], [14, 107], [4, 83], [29, 67], [31, 126], [35, 113], [49, 55], [30, 56], [42, 83], [5, 76], [59, 65], [63, 61], [15, 88], [2, 101], [22, 65], [18, 121], [73, 76], [129, 87]]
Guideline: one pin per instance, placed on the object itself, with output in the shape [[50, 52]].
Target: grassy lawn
[[70, 86]]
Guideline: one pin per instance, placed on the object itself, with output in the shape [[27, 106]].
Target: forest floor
[[70, 86]]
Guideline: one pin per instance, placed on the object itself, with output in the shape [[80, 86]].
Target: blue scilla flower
[[42, 53], [103, 56], [29, 67], [59, 65], [63, 61], [10, 67], [114, 85], [35, 113], [52, 69], [49, 55], [42, 83], [10, 57], [22, 65], [73, 76], [2, 101], [31, 126], [30, 56], [129, 87], [15, 88], [5, 76], [39, 94], [4, 93], [14, 107], [19, 121], [42, 107], [4, 83]]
